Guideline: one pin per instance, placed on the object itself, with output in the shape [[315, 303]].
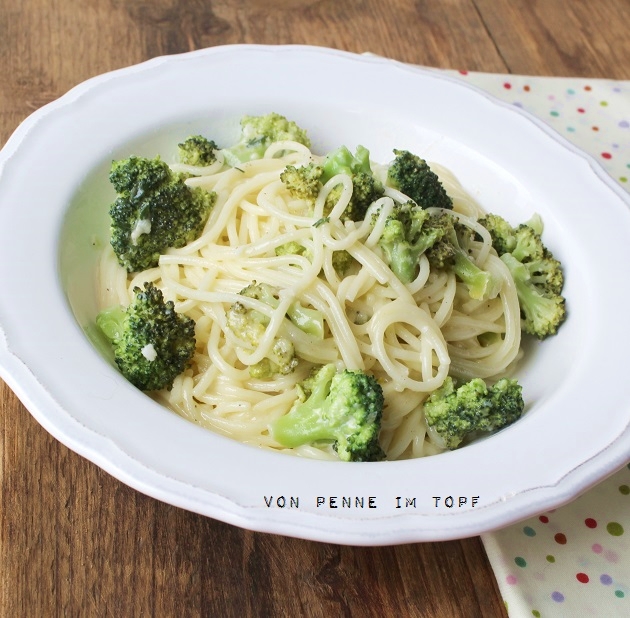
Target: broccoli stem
[[309, 321], [342, 161], [110, 321], [477, 281], [403, 257], [403, 260], [308, 422]]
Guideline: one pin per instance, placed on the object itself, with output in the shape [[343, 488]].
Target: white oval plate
[[54, 196]]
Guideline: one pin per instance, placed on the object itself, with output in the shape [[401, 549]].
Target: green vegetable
[[407, 234], [344, 409], [366, 188], [154, 210], [291, 248], [197, 150], [449, 252], [411, 175], [303, 182], [306, 182], [342, 161], [258, 133], [342, 262], [537, 274], [454, 413], [250, 325], [152, 343]]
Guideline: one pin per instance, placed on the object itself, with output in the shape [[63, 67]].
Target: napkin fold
[[575, 560]]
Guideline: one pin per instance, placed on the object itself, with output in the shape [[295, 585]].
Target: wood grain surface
[[76, 542]]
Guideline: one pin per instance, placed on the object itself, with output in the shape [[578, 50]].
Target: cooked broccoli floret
[[197, 150], [449, 252], [258, 133], [308, 320], [537, 274], [366, 188], [342, 262], [454, 413], [343, 408], [291, 248], [342, 161], [303, 182], [542, 309], [412, 176], [154, 210], [152, 343], [407, 234], [306, 182], [502, 233], [249, 325]]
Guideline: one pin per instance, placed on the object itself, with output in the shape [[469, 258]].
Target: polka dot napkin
[[574, 561], [592, 113]]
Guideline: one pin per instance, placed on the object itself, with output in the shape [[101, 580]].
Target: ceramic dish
[[54, 195]]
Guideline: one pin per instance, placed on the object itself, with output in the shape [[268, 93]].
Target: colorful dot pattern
[[594, 114], [574, 561]]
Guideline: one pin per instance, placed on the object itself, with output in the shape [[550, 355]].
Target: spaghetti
[[409, 336]]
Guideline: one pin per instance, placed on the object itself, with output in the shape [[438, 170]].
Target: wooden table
[[76, 542]]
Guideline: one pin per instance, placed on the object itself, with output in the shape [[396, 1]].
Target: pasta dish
[[319, 266]]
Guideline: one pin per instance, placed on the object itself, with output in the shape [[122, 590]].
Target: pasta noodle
[[410, 336]]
